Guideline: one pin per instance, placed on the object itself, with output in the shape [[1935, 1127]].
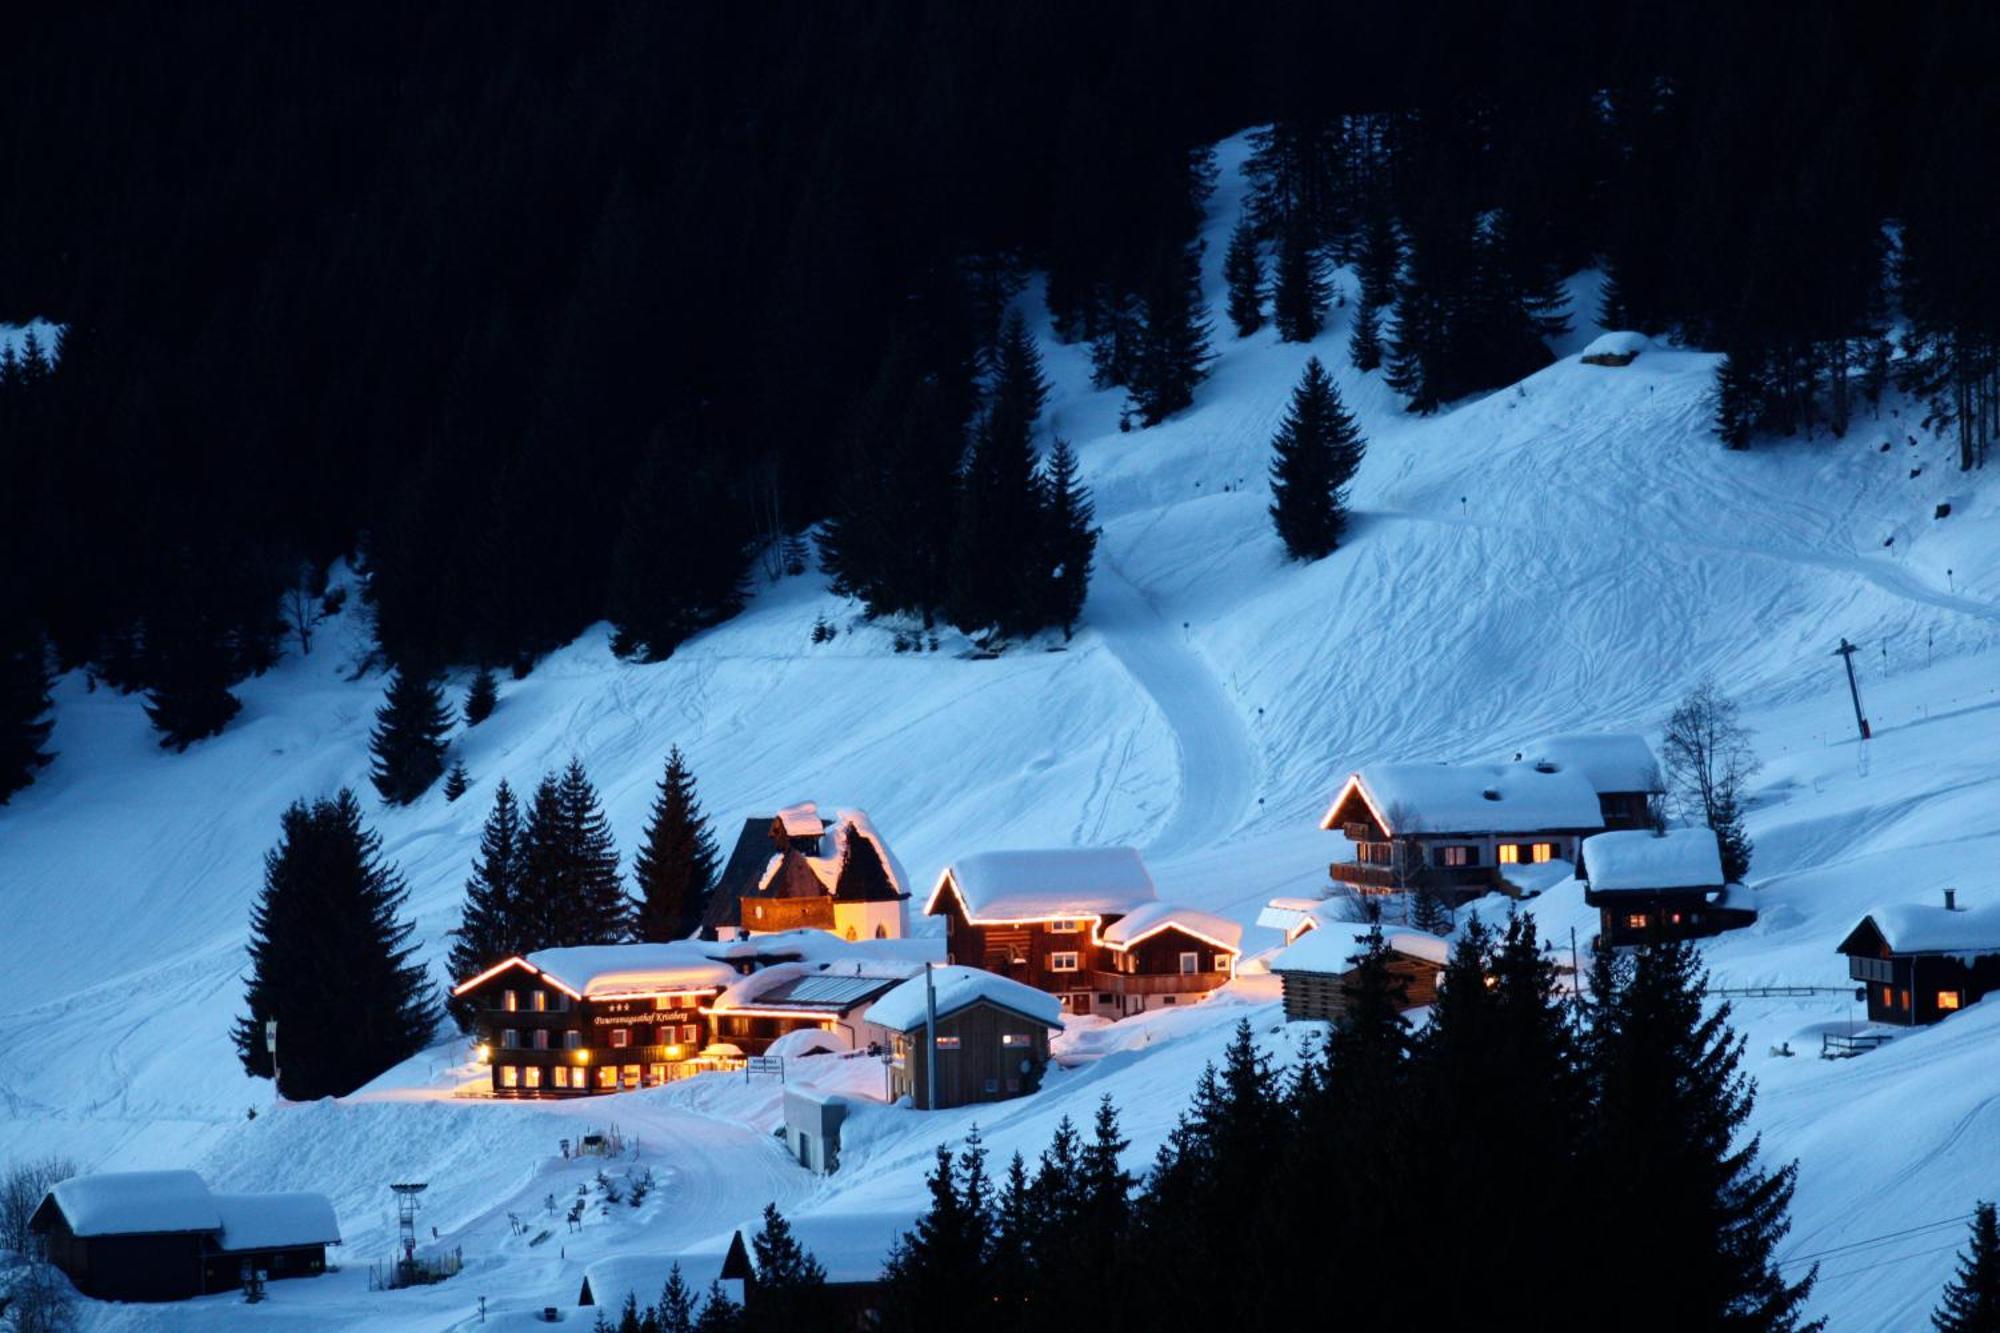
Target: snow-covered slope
[[1564, 555]]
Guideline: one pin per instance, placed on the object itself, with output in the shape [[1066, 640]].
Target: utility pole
[[930, 1041], [1846, 653]]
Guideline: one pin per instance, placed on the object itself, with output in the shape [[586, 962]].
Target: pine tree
[[1069, 541], [1173, 352], [1739, 389], [408, 741], [719, 1314], [1732, 841], [456, 780], [329, 958], [676, 1310], [25, 723], [676, 865], [1971, 1302], [992, 574], [571, 892], [680, 558], [790, 1282], [1663, 1155], [1243, 270], [489, 928], [481, 697], [1317, 450], [1381, 256], [1299, 293], [937, 1275], [188, 667]]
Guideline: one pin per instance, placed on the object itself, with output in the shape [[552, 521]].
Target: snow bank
[[272, 1221], [1933, 928], [644, 1277], [1477, 798], [118, 1203], [904, 1008], [1608, 761], [1154, 917], [1071, 881], [1638, 859]]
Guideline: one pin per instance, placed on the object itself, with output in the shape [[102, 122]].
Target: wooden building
[[1464, 830], [1659, 886], [1317, 968], [991, 1036], [1920, 963], [786, 998], [796, 870], [603, 1018], [1084, 924], [161, 1235]]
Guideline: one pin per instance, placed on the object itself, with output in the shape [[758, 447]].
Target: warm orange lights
[[583, 1057], [516, 961]]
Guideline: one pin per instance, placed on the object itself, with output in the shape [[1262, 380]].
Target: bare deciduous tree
[[37, 1299], [302, 606], [21, 1192], [1709, 763]]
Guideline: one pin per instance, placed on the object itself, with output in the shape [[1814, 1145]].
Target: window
[[1948, 1000], [851, 935], [1510, 853], [631, 1073], [1456, 855], [1063, 926], [1635, 921], [1021, 1038], [1544, 851], [562, 1003], [881, 932], [531, 1076], [541, 1039], [621, 1036], [572, 1040], [607, 1076], [1190, 964], [947, 1043], [993, 1085], [541, 998], [1888, 997], [1063, 962], [510, 1039], [510, 1076], [510, 1000], [1105, 997], [656, 1075], [1221, 962], [1871, 969]]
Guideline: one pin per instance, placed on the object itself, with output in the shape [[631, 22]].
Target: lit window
[[1221, 962], [656, 1074], [1014, 1039], [631, 1073], [531, 1076], [947, 1043], [1456, 856], [510, 1077], [1544, 851], [607, 1076], [851, 935], [1948, 999], [1510, 854], [1190, 964], [621, 1036], [1888, 998], [1635, 921], [509, 1039], [572, 1040], [1063, 927], [541, 998], [541, 1039], [1063, 962], [510, 1000]]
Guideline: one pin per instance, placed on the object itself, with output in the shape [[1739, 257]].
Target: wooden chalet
[[1659, 886], [162, 1235], [1920, 963], [828, 1000], [572, 1022], [1464, 830], [797, 870], [991, 1036], [1318, 966], [1084, 924]]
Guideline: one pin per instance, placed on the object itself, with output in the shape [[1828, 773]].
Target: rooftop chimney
[[1951, 900]]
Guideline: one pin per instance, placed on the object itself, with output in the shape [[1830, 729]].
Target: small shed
[[992, 1036], [812, 1128], [1317, 968], [1659, 886], [1620, 348], [1922, 962]]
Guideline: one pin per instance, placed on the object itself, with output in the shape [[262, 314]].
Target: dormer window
[[1064, 926]]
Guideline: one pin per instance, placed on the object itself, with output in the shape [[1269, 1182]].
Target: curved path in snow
[[1218, 762]]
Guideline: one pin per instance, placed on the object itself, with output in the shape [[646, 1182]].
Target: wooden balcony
[[1371, 878], [1171, 983]]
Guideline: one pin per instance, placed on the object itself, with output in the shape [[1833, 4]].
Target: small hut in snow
[[1921, 962], [992, 1036], [1652, 886], [1319, 965]]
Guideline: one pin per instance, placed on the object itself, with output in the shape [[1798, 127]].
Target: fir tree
[[1317, 450], [1738, 390], [489, 928], [456, 780], [1243, 270], [1173, 352], [1299, 293], [408, 741], [1377, 266], [570, 887], [1971, 1302], [1665, 1156], [680, 558], [189, 668], [1069, 540], [719, 1314], [790, 1282], [937, 1274], [25, 723], [676, 1310], [992, 574], [481, 697], [329, 958], [676, 865]]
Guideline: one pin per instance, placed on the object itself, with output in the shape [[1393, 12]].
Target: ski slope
[[1568, 553]]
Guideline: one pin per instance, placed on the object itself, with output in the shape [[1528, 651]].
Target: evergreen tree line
[[548, 877], [755, 274], [1606, 1132], [785, 1293]]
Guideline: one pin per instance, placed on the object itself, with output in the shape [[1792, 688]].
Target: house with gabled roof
[[797, 869], [1084, 924], [1660, 886], [1922, 962], [987, 1034]]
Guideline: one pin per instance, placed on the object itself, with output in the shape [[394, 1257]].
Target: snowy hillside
[[1567, 554]]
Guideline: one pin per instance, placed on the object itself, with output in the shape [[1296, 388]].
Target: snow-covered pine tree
[[1665, 1156], [571, 892], [489, 927], [1316, 452], [330, 958], [1243, 270], [1298, 292], [481, 697], [1173, 351], [674, 870], [25, 723], [1069, 539], [1971, 1301], [408, 741], [456, 780]]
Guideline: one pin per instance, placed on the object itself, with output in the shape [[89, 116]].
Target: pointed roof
[[1054, 882]]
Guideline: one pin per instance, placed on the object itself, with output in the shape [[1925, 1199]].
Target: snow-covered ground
[[1567, 554]]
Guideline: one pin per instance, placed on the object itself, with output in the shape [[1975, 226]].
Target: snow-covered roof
[[861, 824], [119, 1203], [1064, 882], [852, 1246], [600, 970], [275, 1221], [1153, 917], [805, 944], [808, 1041], [1333, 946], [826, 868], [815, 987], [1609, 761], [1620, 343], [1472, 798], [1288, 914], [1934, 928], [644, 1276], [802, 820], [903, 1009], [1634, 859]]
